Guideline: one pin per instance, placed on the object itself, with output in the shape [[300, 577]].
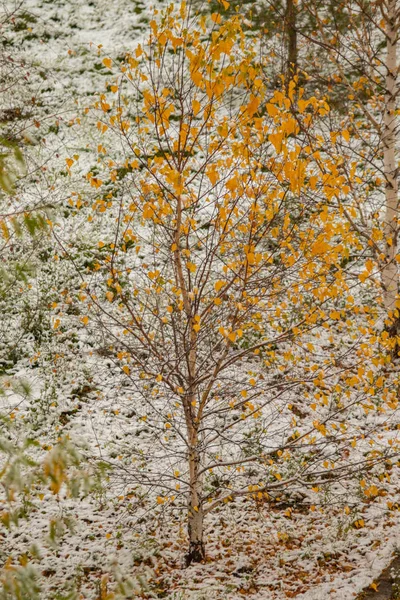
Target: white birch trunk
[[389, 271]]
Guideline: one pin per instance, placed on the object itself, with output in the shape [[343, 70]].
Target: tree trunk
[[389, 271], [196, 551], [291, 34]]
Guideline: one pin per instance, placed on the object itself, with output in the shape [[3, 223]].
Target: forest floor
[[253, 550]]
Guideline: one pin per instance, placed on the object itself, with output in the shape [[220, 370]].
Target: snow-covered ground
[[114, 539]]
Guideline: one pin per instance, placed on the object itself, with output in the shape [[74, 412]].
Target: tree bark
[[196, 551], [291, 34], [389, 271]]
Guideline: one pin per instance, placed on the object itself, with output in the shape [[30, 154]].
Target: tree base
[[196, 554]]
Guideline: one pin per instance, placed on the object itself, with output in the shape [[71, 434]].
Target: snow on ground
[[254, 548]]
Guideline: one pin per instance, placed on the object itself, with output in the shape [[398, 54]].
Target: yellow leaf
[[253, 105], [69, 162], [320, 247], [85, 320], [218, 285], [126, 369], [359, 524], [191, 267], [272, 110], [56, 323], [197, 77], [4, 228], [196, 106], [216, 17], [107, 62], [109, 296], [212, 174], [276, 140], [374, 586], [159, 377], [346, 135]]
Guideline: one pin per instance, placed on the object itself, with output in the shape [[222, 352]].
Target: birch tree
[[363, 68], [219, 262]]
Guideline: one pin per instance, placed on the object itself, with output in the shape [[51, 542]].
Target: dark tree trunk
[[291, 36]]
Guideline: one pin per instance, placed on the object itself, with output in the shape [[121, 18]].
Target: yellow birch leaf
[[212, 175], [346, 135], [218, 285], [272, 110], [191, 267], [196, 106], [197, 77]]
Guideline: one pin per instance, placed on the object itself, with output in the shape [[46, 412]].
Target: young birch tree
[[219, 264]]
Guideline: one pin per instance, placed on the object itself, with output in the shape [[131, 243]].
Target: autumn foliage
[[222, 281]]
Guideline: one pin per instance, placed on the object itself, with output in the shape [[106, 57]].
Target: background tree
[[291, 33], [363, 63]]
